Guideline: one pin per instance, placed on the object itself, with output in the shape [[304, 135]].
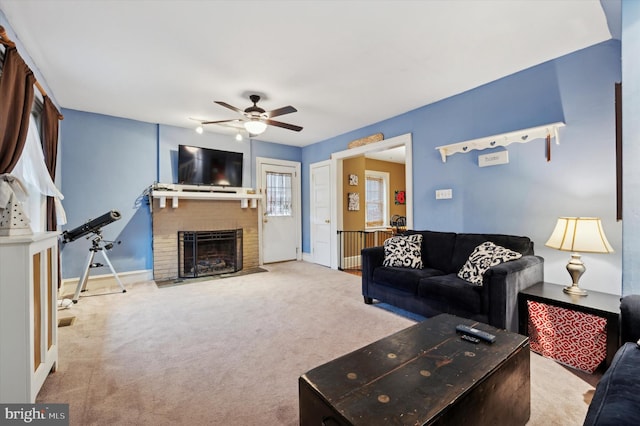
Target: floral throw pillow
[[482, 258], [403, 251], [501, 255]]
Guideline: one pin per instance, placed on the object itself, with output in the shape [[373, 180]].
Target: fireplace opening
[[203, 253]]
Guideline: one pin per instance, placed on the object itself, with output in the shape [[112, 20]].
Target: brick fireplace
[[200, 215]]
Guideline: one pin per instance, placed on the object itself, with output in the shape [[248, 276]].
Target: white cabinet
[[28, 314]]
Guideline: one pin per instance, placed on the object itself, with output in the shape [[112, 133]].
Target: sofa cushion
[[403, 251], [404, 279], [437, 249], [482, 258], [456, 291], [616, 400], [466, 243]]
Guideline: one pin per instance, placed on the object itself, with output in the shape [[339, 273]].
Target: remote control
[[470, 338], [483, 335]]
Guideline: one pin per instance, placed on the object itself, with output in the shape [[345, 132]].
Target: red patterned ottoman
[[572, 338]]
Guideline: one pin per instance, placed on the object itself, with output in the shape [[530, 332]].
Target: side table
[[603, 305]]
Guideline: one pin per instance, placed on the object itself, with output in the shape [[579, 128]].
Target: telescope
[[91, 226]]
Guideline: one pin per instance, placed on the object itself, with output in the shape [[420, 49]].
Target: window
[[279, 194], [376, 198]]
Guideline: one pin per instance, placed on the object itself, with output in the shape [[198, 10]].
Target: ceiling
[[342, 64], [394, 155]]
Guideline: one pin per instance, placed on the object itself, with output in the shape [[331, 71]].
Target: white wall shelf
[[174, 192], [503, 139]]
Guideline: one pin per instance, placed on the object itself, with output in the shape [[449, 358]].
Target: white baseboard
[[106, 281]]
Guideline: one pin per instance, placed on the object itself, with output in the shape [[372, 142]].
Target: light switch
[[444, 194]]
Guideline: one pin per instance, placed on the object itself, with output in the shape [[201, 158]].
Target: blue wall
[[108, 163], [631, 144], [526, 196]]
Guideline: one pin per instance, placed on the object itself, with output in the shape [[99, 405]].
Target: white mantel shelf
[[175, 192]]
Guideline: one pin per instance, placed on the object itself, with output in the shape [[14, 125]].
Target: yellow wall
[[396, 182], [354, 220]]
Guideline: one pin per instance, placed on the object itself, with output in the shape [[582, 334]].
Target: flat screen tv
[[204, 166]]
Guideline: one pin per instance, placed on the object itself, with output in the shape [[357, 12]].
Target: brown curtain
[[50, 120], [16, 100]]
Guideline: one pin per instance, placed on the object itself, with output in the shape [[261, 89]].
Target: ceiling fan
[[256, 119]]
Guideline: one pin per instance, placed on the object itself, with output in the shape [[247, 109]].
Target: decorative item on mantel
[[13, 219], [504, 139]]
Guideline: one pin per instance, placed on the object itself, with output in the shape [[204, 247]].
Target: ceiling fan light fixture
[[199, 130], [255, 126], [256, 119]]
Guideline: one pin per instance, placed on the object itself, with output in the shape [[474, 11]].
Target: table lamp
[[578, 234]]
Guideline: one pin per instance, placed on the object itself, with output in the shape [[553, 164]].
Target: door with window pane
[[279, 229]]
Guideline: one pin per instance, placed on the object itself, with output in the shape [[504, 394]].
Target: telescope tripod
[[97, 245]]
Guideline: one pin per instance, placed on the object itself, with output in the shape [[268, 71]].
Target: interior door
[[321, 213], [279, 223]]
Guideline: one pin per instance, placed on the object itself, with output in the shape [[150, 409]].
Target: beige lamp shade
[[579, 234]]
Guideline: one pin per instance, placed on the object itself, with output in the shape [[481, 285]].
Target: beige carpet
[[230, 351]]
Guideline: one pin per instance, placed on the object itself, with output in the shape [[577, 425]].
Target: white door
[[321, 213], [280, 213]]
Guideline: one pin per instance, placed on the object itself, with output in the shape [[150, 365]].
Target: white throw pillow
[[403, 251]]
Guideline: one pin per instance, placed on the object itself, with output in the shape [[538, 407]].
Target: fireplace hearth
[[204, 253]]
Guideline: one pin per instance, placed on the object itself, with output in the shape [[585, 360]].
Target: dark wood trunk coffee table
[[423, 375]]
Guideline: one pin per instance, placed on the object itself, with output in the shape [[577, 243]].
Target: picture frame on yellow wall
[[353, 180], [354, 201]]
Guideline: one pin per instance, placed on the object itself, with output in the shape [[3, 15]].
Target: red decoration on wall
[[572, 338], [400, 197]]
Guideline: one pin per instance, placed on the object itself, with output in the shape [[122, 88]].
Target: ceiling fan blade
[[220, 121], [280, 111], [284, 125], [231, 107]]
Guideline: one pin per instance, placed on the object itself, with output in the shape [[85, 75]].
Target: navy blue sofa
[[437, 289], [616, 400]]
